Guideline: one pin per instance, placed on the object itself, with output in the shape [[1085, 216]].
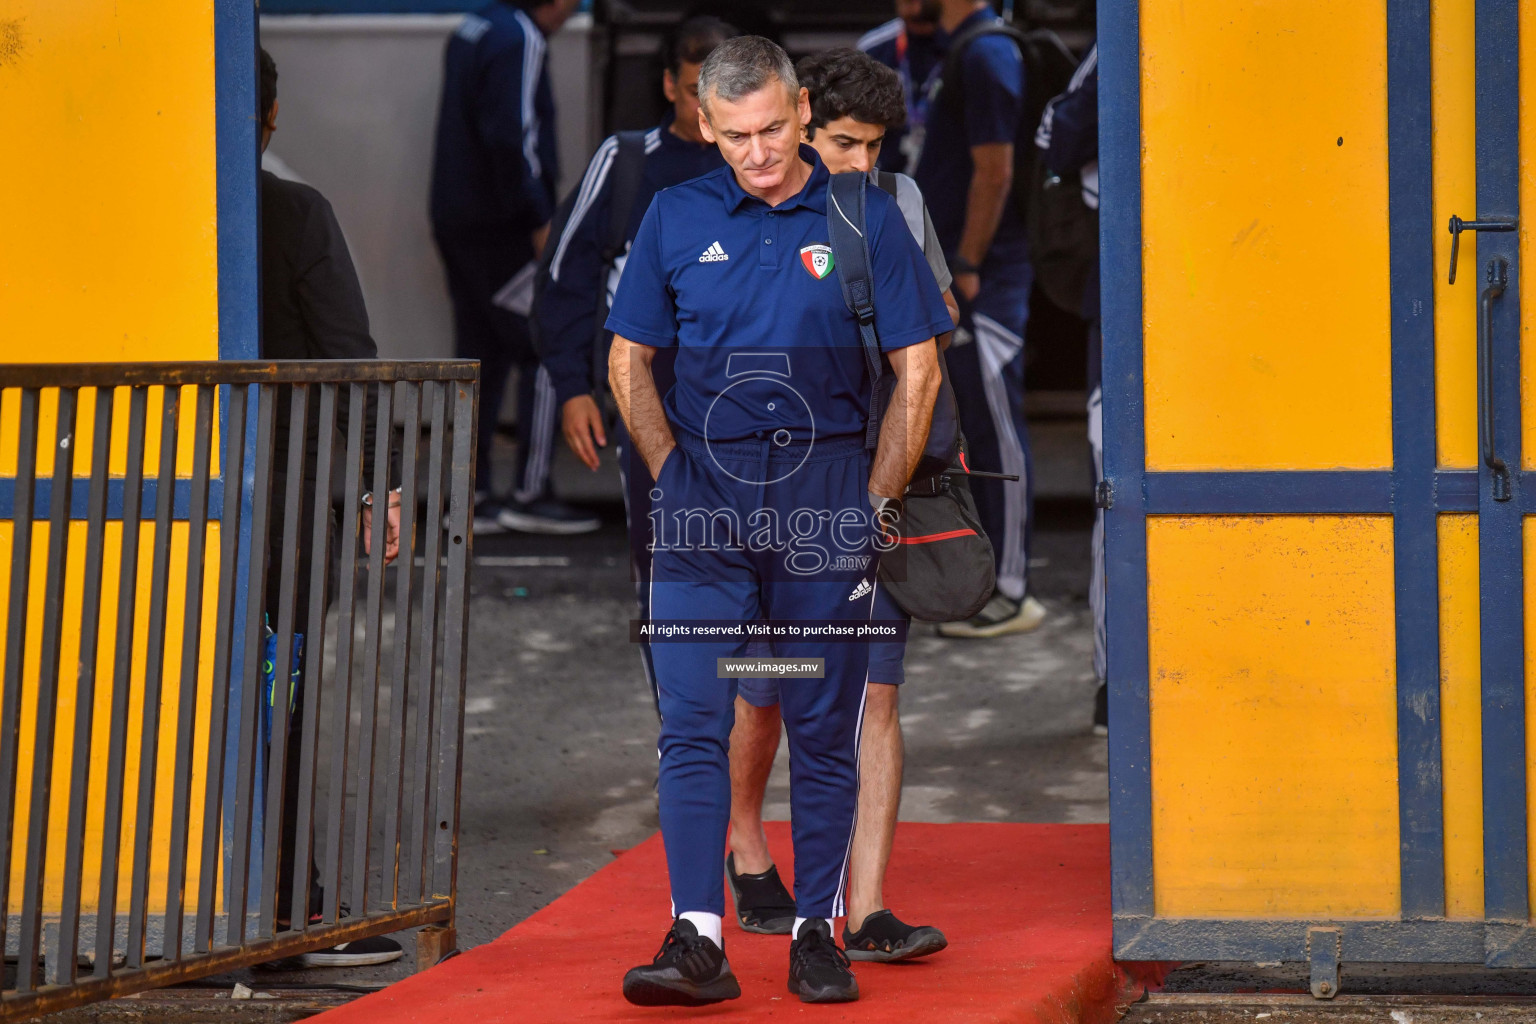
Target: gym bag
[[940, 568]]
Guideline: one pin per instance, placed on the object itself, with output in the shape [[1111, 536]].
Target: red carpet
[[1025, 907]]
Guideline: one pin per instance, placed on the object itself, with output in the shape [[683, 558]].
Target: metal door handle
[[1458, 226], [1498, 278]]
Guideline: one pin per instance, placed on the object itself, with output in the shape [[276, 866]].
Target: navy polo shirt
[[749, 296], [993, 73]]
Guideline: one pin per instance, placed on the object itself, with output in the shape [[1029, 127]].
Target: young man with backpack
[[979, 127], [856, 102], [580, 271]]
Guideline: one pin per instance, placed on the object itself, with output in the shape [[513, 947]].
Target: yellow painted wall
[[171, 700], [1274, 716], [109, 206], [1461, 716], [1453, 39], [1264, 183], [107, 193]]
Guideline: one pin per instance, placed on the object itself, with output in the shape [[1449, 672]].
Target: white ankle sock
[[707, 924], [801, 920]]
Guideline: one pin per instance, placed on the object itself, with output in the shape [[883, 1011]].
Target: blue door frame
[[1413, 492], [238, 159]]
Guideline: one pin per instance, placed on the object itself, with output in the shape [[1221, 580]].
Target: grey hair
[[743, 65]]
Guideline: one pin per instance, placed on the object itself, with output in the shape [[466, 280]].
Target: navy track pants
[[708, 510]]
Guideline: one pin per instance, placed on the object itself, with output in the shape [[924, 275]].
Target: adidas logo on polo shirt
[[860, 590], [714, 254]]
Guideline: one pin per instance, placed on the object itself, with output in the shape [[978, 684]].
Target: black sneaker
[[818, 970], [1101, 710], [763, 904], [885, 938], [546, 516], [1000, 616], [378, 949], [689, 970], [486, 519]]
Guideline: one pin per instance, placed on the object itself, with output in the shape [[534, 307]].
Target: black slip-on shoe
[[885, 938], [763, 904], [818, 970], [377, 949], [689, 970]]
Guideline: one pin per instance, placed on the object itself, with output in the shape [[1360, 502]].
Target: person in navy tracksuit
[[675, 151], [494, 173], [906, 44], [764, 491], [966, 173], [1068, 137]]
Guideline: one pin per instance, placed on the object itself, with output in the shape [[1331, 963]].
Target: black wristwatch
[[961, 265]]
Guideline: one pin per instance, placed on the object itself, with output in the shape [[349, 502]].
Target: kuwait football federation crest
[[817, 259]]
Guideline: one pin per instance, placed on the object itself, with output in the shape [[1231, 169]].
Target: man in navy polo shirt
[[966, 173], [764, 491]]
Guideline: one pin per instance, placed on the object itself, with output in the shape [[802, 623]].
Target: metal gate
[[1320, 451], [158, 524]]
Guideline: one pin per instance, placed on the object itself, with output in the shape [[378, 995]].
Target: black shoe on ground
[[763, 904], [546, 516], [378, 949], [818, 970], [485, 520], [884, 938], [1101, 711], [689, 970]]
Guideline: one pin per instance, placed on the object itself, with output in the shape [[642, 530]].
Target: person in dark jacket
[[966, 172], [1068, 138], [580, 273], [906, 44], [312, 308], [494, 173]]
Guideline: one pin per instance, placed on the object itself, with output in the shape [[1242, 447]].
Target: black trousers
[[307, 548], [477, 269]]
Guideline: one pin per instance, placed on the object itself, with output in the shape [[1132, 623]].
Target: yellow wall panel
[[110, 217], [1453, 62], [85, 431], [1265, 230], [172, 697], [1461, 717], [1274, 716], [1529, 544]]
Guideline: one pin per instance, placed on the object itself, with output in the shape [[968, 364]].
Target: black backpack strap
[[850, 256], [628, 173], [887, 182]]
